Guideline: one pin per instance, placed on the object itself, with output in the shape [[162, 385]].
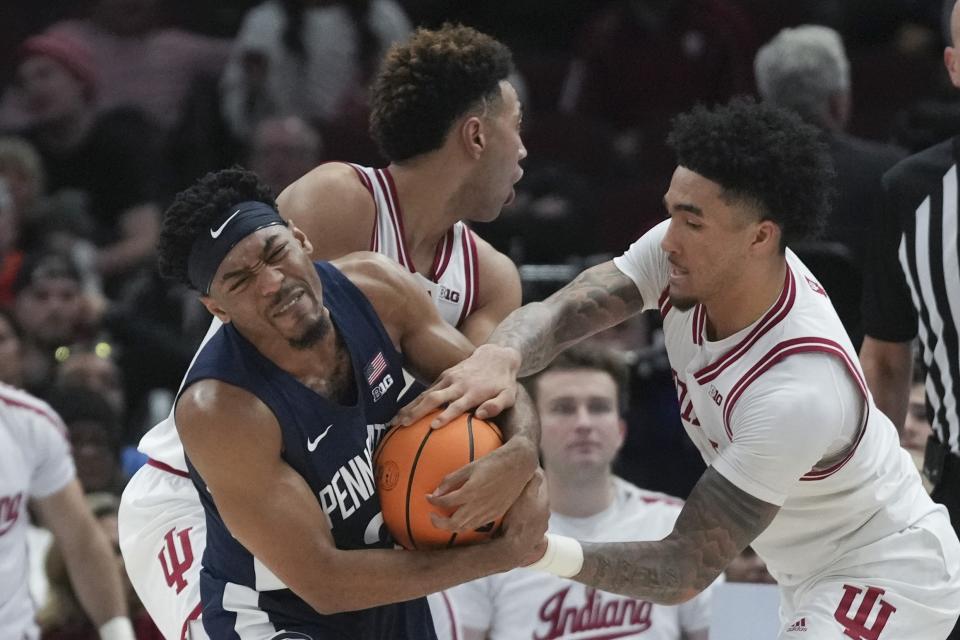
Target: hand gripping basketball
[[409, 465], [486, 380]]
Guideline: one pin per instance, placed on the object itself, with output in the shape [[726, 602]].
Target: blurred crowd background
[[109, 107]]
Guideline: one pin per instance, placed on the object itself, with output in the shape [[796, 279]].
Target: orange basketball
[[411, 462]]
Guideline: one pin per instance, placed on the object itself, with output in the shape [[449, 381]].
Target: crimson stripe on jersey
[[397, 230], [165, 467], [23, 403], [445, 249], [777, 312], [664, 303], [782, 351], [468, 267], [197, 610], [474, 282], [364, 179], [397, 212]]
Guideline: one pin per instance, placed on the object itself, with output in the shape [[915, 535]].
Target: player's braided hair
[[427, 82], [194, 209], [762, 154]]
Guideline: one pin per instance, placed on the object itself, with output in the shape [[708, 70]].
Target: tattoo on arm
[[598, 298], [717, 522]]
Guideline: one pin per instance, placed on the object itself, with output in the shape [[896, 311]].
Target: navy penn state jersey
[[331, 446]]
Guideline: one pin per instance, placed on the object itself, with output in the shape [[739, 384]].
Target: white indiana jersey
[[524, 604], [454, 276], [753, 405], [453, 285], [35, 462]]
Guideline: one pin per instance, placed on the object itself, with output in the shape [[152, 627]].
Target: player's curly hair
[[196, 208], [762, 154], [427, 82]]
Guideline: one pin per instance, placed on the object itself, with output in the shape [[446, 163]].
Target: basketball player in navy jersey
[[279, 415]]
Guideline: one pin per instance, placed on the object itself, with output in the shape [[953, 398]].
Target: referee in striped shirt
[[911, 289]]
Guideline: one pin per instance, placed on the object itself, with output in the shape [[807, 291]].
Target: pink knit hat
[[70, 53]]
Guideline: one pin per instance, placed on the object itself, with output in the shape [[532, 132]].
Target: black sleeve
[[887, 307]]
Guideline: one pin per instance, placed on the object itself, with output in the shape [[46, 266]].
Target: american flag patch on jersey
[[375, 368]]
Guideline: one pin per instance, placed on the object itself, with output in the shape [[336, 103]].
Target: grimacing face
[[580, 419], [707, 240], [269, 289]]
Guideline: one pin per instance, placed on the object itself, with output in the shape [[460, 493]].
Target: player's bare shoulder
[[392, 290], [333, 206]]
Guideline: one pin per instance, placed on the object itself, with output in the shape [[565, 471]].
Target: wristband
[[118, 628], [563, 557]]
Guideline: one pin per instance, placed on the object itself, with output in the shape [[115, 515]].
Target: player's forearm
[[520, 426], [94, 574], [888, 368], [667, 572], [353, 580], [598, 298]]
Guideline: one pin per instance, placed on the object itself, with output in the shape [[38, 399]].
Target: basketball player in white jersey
[[452, 160], [801, 465], [36, 469], [578, 398]]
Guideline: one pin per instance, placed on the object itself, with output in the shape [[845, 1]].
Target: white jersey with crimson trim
[[753, 405], [525, 604], [453, 285], [454, 277], [35, 462]]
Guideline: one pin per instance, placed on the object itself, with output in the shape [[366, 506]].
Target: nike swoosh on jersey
[[312, 444], [216, 234]]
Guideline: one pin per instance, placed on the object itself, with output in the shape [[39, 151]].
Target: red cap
[[72, 54]]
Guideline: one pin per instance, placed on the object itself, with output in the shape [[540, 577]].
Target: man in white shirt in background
[[579, 399], [36, 468]]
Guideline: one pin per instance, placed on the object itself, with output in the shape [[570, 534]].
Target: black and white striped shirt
[[912, 282]]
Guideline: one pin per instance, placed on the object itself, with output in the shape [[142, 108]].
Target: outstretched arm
[[717, 522], [526, 341]]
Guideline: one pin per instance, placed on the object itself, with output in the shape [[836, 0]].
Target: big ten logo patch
[[176, 558], [9, 511], [871, 615], [449, 295], [381, 389]]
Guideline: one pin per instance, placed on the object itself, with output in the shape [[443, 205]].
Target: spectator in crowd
[[748, 567], [916, 425], [36, 469], [312, 59], [11, 258], [62, 617], [94, 431], [141, 64], [282, 149], [49, 307], [11, 349], [806, 69], [579, 398], [910, 289], [22, 168], [111, 156], [639, 62], [95, 370]]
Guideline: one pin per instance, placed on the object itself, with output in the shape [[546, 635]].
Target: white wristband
[[563, 557], [118, 628]]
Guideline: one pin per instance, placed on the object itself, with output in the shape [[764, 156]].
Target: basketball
[[411, 462]]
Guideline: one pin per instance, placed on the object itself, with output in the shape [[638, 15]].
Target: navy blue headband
[[213, 244]]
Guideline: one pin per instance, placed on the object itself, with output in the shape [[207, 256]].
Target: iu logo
[[176, 557], [856, 626]]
